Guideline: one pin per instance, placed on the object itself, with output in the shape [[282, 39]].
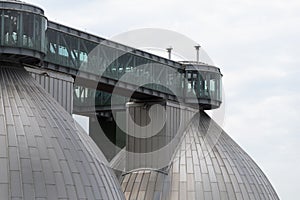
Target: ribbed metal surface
[[58, 85], [43, 155], [202, 170], [151, 134]]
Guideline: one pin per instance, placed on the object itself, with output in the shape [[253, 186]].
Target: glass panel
[[28, 31], [2, 27], [43, 34], [212, 89], [201, 85], [11, 27], [189, 84], [220, 88], [206, 85]]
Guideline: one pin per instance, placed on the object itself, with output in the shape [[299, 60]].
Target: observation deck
[[204, 84], [22, 36]]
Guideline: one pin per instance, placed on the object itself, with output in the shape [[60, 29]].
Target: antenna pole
[[169, 51], [197, 51]]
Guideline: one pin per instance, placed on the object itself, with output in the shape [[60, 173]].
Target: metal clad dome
[[202, 169], [43, 154]]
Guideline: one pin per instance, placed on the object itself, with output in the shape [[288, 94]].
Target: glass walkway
[[103, 65]]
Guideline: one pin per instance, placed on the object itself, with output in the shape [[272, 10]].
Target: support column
[[154, 130]]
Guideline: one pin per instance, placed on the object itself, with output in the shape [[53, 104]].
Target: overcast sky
[[257, 45]]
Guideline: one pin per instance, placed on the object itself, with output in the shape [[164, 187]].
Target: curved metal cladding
[[22, 36], [208, 165], [43, 154]]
